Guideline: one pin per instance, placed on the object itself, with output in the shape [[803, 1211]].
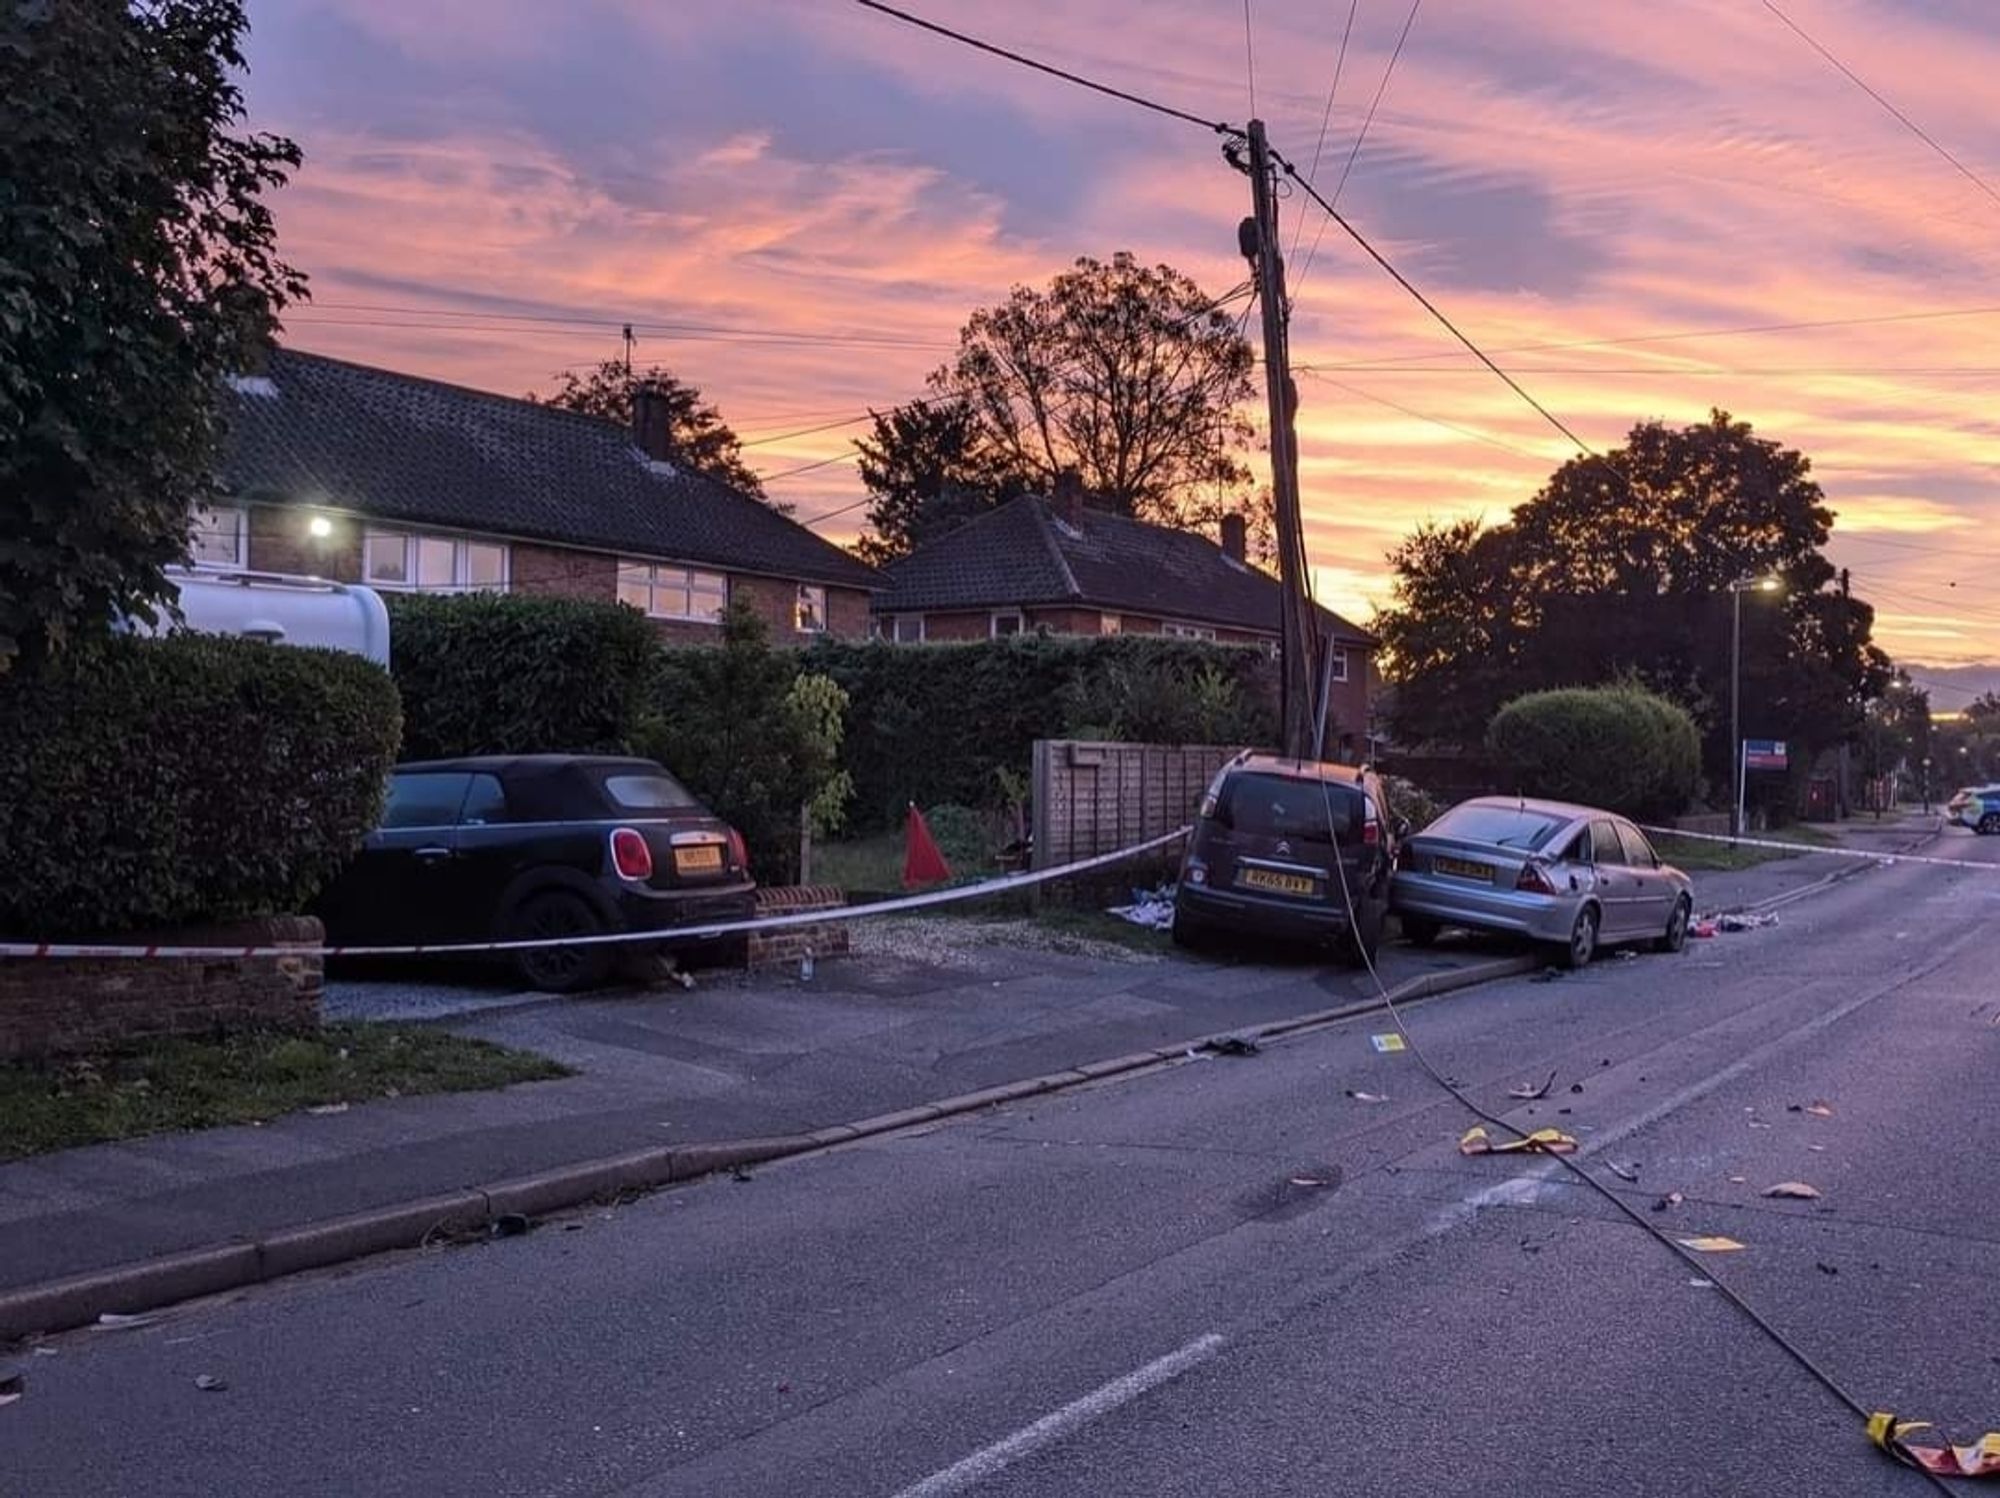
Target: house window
[[1187, 631], [1338, 670], [809, 616], [662, 592], [219, 539], [1110, 624], [907, 629], [1007, 622], [415, 562]]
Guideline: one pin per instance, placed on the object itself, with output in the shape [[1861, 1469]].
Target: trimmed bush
[[934, 723], [155, 782], [1622, 748], [499, 673]]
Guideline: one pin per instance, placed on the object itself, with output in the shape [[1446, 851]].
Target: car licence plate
[[1271, 879], [1458, 868], [704, 859]]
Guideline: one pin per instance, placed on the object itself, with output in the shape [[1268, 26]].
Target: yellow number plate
[[1284, 884], [1458, 868], [705, 859]]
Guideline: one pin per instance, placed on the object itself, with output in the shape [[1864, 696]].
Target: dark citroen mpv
[[1288, 848]]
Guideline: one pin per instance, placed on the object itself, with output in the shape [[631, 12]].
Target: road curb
[[1842, 875], [76, 1300]]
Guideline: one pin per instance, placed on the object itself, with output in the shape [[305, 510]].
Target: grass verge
[[1699, 856], [201, 1083]]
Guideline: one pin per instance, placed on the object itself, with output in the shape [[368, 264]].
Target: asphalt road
[[1226, 1276]]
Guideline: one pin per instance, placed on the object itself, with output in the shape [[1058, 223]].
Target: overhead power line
[[1326, 114], [1436, 421], [1903, 119], [1042, 67]]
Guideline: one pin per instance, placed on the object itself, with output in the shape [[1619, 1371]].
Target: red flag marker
[[922, 862]]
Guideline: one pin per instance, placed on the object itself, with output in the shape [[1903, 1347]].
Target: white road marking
[[1051, 1428]]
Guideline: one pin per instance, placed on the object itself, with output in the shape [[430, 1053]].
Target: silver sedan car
[[1571, 876]]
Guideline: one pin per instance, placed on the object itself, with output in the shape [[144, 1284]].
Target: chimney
[[1235, 536], [1066, 502], [651, 428]]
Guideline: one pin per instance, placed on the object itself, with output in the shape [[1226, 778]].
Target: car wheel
[[1677, 927], [1990, 823], [1582, 939], [1419, 931], [1187, 935], [555, 913]]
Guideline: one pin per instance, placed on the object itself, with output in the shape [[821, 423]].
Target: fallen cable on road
[[985, 887]]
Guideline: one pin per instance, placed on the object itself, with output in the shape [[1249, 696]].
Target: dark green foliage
[[933, 723], [732, 727], [701, 438], [137, 269], [145, 783], [496, 673], [1618, 747]]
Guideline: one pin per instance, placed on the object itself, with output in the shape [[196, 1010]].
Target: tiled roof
[[319, 431], [1021, 554]]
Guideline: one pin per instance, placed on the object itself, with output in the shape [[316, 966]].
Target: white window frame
[[1339, 669], [1111, 624], [896, 634], [1187, 631], [810, 604], [993, 630], [211, 518], [413, 579], [668, 579]]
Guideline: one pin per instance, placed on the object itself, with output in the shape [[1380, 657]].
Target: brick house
[[1060, 565], [342, 471]]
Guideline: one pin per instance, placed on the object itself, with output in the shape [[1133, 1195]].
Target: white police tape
[[1884, 859], [612, 938]]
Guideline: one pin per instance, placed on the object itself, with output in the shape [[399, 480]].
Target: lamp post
[[1736, 591]]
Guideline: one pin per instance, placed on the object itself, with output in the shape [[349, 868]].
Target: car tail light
[[630, 854], [1535, 880], [739, 853], [1371, 834]]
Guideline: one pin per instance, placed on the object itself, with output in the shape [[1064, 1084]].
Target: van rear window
[[1503, 826], [1310, 811]]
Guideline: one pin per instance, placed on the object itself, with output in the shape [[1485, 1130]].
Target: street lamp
[[1736, 591]]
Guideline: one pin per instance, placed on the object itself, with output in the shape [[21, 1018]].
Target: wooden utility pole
[[1258, 239]]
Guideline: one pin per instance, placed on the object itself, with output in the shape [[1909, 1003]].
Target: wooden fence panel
[[1092, 797]]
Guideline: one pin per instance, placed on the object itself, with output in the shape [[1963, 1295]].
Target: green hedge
[[934, 723], [1621, 747], [148, 783], [497, 673]]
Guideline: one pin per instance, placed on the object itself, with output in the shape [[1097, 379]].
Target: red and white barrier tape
[[613, 938], [1864, 854]]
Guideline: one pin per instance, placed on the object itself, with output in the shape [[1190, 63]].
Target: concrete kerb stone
[[405, 1225], [126, 1288]]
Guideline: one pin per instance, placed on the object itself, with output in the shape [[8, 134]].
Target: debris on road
[[1748, 920], [1710, 1244], [1703, 930], [1367, 1097], [1476, 1141], [12, 1387], [1549, 975], [113, 1321], [1623, 1172], [1982, 1459], [1793, 1190], [1232, 1045], [1738, 1180], [1825, 1268], [1701, 1284], [324, 1109], [208, 1383], [1384, 1044], [1671, 1199], [509, 1225], [1818, 1108], [1307, 1181], [1528, 1093], [1152, 908]]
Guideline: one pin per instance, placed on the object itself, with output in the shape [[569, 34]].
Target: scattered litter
[[1794, 1190], [1307, 1181], [1738, 1180], [1623, 1172], [1819, 1109], [1530, 1094], [740, 1173], [1710, 1244], [1760, 1123], [1671, 1199], [1825, 1268], [1981, 1459], [1702, 930], [113, 1321], [1626, 954], [683, 977], [1548, 975], [1232, 1045], [325, 1109], [1817, 1149], [208, 1383], [1476, 1141], [1367, 1097], [12, 1388], [48, 1352], [572, 1227], [509, 1225], [1575, 1087], [1152, 908], [1748, 920], [806, 968], [1701, 1284], [1384, 1044]]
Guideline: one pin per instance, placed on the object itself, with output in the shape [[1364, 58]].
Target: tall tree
[[928, 470], [137, 270], [1622, 565], [1128, 373], [703, 439]]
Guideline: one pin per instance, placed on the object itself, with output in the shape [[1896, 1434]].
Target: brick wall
[[962, 626], [557, 571], [788, 944], [64, 1006], [847, 613]]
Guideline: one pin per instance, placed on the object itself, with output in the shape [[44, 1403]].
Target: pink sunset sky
[[797, 202]]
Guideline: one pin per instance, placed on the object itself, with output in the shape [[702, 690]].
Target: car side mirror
[[1400, 828]]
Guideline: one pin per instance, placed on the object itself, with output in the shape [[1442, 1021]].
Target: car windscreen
[[1312, 811], [1503, 826], [647, 790]]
